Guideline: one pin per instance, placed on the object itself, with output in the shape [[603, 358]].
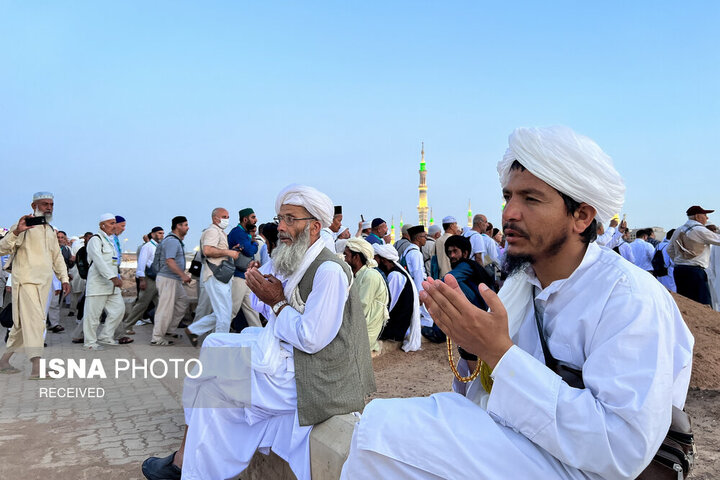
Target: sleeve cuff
[[524, 394]]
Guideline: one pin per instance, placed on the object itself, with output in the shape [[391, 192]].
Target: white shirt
[[491, 247], [609, 318], [626, 252], [476, 241], [697, 232], [415, 265], [614, 322], [328, 236], [605, 238], [145, 259], [643, 253]]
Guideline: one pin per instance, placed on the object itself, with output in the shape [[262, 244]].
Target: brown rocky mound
[[704, 323]]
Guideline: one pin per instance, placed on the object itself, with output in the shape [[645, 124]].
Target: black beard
[[516, 263]]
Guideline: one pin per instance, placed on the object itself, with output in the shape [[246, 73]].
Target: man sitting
[[371, 287], [310, 362], [467, 272], [404, 323], [611, 323]]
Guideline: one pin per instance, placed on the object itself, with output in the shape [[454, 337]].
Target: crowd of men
[[312, 301]]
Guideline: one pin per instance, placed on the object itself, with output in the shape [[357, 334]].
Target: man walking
[[104, 287], [241, 239], [35, 256], [147, 290], [214, 248], [172, 298]]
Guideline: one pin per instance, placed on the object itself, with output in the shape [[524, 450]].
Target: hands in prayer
[[266, 287], [483, 333]]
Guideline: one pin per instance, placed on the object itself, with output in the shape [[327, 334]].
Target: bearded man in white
[[603, 318], [310, 362]]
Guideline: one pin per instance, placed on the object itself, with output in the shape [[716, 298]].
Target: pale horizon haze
[[156, 109]]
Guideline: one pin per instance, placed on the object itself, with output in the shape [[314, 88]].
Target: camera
[[33, 221]]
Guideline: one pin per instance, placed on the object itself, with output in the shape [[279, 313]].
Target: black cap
[[178, 220], [412, 231], [338, 210], [157, 229], [695, 209], [377, 222]]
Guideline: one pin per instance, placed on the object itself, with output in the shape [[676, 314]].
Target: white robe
[[224, 429], [609, 318], [713, 273]]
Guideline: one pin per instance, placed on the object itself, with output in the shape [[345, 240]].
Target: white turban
[[360, 245], [106, 216], [571, 163], [386, 251], [317, 203]]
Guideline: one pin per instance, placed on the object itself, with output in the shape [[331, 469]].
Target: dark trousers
[[692, 282]]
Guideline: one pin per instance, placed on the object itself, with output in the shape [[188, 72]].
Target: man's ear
[[583, 217]]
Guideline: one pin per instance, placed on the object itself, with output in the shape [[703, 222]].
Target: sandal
[[172, 335], [57, 329], [78, 340], [125, 340], [192, 337], [162, 343]]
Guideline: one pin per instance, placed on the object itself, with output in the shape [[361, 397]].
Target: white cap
[[449, 219], [366, 225], [42, 196], [106, 216]]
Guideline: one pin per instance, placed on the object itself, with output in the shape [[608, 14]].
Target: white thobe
[[328, 237], [667, 280], [221, 441], [609, 318], [713, 273], [626, 252], [605, 238], [416, 269], [643, 253]]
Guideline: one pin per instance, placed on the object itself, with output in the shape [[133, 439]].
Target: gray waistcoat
[[336, 379]]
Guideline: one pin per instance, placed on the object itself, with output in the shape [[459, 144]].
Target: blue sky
[[153, 109]]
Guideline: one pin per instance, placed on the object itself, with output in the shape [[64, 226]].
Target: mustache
[[283, 235], [514, 226]]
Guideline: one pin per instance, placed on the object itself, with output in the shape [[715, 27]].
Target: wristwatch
[[276, 308]]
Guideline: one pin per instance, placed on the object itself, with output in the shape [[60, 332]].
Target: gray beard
[[287, 258], [48, 216]]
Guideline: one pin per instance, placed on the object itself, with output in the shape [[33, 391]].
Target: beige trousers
[[29, 301], [241, 299], [114, 307], [150, 294], [172, 303]]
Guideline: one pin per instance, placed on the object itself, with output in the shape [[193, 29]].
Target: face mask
[[224, 222]]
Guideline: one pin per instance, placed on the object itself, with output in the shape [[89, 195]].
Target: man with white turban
[[310, 362], [34, 257], [611, 328], [404, 323], [371, 287]]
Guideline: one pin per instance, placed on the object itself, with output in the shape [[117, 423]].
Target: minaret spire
[[469, 214], [422, 190]]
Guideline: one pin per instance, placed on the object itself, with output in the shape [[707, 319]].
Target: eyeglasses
[[289, 219]]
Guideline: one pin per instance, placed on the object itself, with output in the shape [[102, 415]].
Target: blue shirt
[[238, 236], [372, 238], [173, 248]]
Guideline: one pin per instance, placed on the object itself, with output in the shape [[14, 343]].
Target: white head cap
[[569, 162], [449, 219], [43, 196], [106, 216], [317, 203], [366, 225], [386, 251]]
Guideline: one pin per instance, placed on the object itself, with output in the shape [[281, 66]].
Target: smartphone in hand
[[34, 221]]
